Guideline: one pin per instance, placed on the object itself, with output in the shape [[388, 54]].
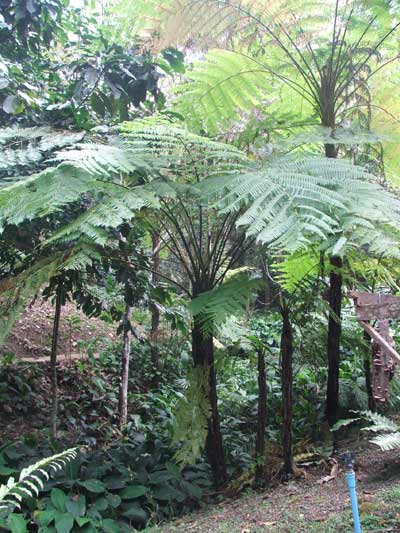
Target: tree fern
[[31, 480]]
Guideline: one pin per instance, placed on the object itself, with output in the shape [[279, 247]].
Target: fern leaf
[[215, 306], [30, 482], [391, 441]]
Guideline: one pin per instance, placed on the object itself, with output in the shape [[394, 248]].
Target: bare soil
[[300, 505], [30, 338]]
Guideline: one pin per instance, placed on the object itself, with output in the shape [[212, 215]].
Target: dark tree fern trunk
[[287, 390], [262, 417], [155, 313], [53, 362], [203, 356], [124, 380], [334, 333]]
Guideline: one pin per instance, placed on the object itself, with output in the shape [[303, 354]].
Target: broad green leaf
[[82, 520], [101, 504], [110, 526], [16, 523], [193, 490], [136, 513], [93, 485], [114, 500], [76, 507], [59, 499], [160, 477], [133, 491], [6, 471], [45, 517], [167, 493], [64, 523], [114, 482]]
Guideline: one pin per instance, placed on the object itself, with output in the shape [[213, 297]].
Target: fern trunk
[[334, 334], [126, 350], [155, 313], [335, 304], [261, 416], [53, 362], [287, 390], [203, 356]]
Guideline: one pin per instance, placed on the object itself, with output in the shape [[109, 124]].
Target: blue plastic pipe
[[351, 481]]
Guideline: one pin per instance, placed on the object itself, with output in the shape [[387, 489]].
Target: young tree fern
[[390, 438]]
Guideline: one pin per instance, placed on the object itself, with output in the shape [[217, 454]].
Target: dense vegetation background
[[202, 183]]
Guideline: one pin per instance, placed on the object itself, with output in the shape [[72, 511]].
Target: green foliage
[[32, 480], [390, 440], [191, 413], [292, 204], [24, 150], [220, 87], [213, 307]]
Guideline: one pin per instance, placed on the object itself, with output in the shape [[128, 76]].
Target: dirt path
[[61, 358], [297, 506]]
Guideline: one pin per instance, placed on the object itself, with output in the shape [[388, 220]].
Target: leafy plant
[[31, 481]]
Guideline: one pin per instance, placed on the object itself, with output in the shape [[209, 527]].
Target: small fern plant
[[389, 431], [32, 480]]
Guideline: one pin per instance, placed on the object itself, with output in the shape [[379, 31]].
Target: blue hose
[[351, 481]]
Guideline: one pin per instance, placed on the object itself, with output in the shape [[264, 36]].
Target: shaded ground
[[305, 506], [31, 335]]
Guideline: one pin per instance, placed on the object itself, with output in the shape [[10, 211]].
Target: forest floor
[[303, 505], [30, 339], [307, 505]]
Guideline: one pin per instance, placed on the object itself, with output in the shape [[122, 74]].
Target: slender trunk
[[262, 417], [330, 151], [203, 356], [334, 333], [287, 390], [53, 361], [367, 374], [335, 303], [155, 313], [123, 391]]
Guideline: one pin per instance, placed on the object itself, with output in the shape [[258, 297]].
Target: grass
[[381, 515]]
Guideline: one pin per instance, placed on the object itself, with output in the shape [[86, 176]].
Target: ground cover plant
[[192, 194]]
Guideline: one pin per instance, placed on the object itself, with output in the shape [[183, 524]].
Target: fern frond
[[32, 480], [213, 307], [293, 271], [291, 204], [79, 173], [102, 159], [178, 149], [380, 423], [391, 441], [118, 205], [24, 150], [221, 87], [17, 291]]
